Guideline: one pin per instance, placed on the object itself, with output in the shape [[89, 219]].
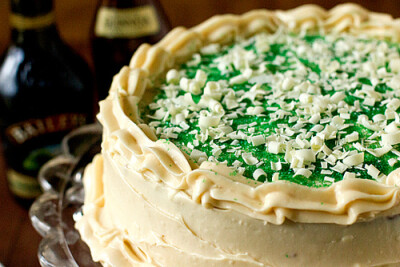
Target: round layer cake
[[266, 139]]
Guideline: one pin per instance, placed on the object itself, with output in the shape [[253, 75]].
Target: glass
[[54, 213]]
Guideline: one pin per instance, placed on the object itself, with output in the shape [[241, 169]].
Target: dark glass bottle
[[119, 28], [46, 90]]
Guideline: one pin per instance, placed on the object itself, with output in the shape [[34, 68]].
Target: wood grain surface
[[18, 240]]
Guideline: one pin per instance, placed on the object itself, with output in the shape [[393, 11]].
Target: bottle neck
[[32, 22]]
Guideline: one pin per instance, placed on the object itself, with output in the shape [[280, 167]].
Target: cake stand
[[54, 213]]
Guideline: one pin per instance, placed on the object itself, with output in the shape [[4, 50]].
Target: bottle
[[119, 28], [46, 90]]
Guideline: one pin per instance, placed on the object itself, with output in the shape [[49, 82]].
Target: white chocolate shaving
[[373, 171], [354, 160], [258, 173], [249, 159], [391, 138], [305, 172]]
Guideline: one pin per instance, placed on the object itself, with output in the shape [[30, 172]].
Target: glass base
[[54, 213]]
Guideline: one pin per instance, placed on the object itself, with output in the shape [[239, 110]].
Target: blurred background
[[74, 18]]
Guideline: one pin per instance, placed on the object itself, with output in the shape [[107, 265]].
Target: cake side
[[157, 226]]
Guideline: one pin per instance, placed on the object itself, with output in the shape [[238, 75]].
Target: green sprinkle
[[282, 59]]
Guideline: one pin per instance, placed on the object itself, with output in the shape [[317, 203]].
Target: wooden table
[[18, 240]]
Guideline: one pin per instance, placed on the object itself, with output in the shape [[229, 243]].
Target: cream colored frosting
[[130, 220], [146, 204]]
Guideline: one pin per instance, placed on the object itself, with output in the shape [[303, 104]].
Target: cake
[[264, 139]]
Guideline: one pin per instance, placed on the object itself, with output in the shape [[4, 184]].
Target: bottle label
[[20, 22], [126, 23], [32, 143], [21, 132]]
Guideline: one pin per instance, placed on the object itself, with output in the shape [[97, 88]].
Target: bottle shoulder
[[11, 62], [41, 82], [28, 66]]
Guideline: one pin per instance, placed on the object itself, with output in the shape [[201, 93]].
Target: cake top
[[312, 109]]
